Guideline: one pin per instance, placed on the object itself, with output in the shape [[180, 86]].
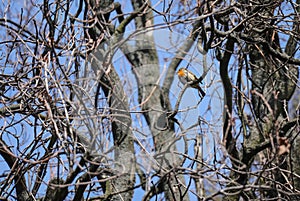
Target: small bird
[[185, 76]]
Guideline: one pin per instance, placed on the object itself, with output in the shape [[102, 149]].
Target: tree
[[91, 107]]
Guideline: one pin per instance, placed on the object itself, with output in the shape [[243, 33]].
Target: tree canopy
[[91, 106]]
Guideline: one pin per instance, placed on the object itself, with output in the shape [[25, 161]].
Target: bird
[[186, 76]]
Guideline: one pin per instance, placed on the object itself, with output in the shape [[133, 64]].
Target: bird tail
[[200, 91]]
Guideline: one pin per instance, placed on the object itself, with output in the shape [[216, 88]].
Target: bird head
[[181, 72]]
